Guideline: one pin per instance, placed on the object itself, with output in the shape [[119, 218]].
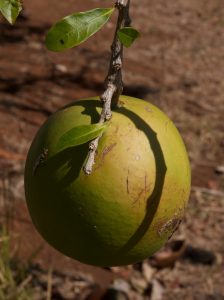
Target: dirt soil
[[178, 65]]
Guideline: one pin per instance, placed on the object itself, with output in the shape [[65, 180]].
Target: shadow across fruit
[[154, 199]]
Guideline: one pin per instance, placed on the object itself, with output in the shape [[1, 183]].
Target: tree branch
[[113, 82]]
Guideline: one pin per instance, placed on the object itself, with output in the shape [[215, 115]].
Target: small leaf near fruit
[[10, 9], [76, 28], [127, 36], [80, 135]]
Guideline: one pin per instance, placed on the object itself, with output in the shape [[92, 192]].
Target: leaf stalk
[[113, 84]]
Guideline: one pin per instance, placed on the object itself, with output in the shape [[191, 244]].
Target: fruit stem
[[113, 82]]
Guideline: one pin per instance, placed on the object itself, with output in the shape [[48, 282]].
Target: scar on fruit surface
[[165, 227], [143, 191], [104, 153]]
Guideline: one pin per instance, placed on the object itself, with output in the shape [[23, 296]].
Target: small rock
[[35, 45], [61, 68], [157, 290], [219, 170], [148, 271], [138, 282], [123, 272], [121, 285]]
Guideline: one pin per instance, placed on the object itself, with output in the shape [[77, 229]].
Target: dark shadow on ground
[[13, 86]]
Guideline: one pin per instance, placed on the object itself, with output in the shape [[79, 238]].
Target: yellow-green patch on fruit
[[133, 200]]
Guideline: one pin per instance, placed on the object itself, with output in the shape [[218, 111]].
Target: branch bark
[[113, 82]]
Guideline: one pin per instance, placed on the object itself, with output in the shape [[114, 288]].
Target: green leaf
[[10, 9], [127, 35], [80, 135], [76, 28]]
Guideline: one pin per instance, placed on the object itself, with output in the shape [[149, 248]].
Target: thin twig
[[49, 283], [24, 283], [113, 81]]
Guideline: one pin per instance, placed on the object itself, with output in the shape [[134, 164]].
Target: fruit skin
[[133, 200]]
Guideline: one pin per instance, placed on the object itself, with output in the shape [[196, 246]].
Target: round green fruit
[[133, 200]]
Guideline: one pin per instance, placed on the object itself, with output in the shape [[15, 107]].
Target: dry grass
[[15, 280]]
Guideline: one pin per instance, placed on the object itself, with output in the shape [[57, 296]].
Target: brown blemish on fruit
[[144, 190], [169, 226], [139, 196], [127, 182], [121, 103], [175, 229], [145, 185], [116, 130], [40, 160], [166, 124], [148, 109], [108, 149], [105, 151]]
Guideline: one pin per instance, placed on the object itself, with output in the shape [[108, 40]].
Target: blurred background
[[177, 64]]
